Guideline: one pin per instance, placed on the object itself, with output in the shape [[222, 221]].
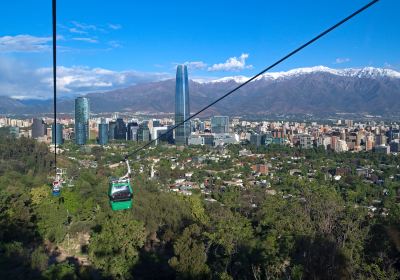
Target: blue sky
[[108, 44]]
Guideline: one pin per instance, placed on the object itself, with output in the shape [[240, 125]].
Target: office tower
[[257, 139], [102, 138], [111, 130], [143, 133], [81, 120], [133, 128], [39, 128], [182, 111], [159, 132], [220, 124], [57, 134], [120, 130]]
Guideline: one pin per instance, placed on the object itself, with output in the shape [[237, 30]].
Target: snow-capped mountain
[[366, 72], [316, 90]]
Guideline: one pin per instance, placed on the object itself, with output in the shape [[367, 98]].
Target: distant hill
[[315, 90]]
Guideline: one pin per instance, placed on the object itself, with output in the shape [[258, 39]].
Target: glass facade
[[133, 131], [182, 109], [81, 120], [57, 134], [103, 134], [120, 130], [143, 133], [220, 124], [111, 130]]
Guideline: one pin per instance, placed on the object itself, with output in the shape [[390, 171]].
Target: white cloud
[[114, 26], [20, 80], [84, 79], [198, 65], [85, 39], [114, 44], [83, 26], [341, 60], [24, 43], [77, 31], [232, 64]]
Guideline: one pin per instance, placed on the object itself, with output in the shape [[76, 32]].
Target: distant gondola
[[56, 189]]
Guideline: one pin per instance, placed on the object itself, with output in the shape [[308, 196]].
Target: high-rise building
[[369, 143], [57, 134], [143, 133], [133, 128], [220, 124], [39, 128], [160, 132], [257, 139], [81, 120], [111, 130], [102, 138], [120, 130], [182, 109]]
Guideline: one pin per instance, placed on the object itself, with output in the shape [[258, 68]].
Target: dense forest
[[323, 235]]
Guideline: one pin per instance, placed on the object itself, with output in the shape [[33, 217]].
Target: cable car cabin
[[120, 194], [56, 190]]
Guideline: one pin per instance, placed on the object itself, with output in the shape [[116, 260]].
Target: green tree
[[190, 256], [61, 271], [114, 248]]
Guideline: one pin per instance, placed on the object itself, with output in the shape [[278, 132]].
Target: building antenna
[[313, 40]]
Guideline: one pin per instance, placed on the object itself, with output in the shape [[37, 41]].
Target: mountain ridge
[[312, 90]]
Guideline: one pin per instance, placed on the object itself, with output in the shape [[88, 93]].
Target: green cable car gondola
[[120, 192]]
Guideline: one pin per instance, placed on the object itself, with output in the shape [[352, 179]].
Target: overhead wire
[[54, 24], [319, 36]]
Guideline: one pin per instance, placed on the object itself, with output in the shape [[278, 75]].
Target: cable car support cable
[[319, 36]]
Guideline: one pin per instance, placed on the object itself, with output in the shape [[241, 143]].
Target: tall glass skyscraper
[[182, 109], [102, 138], [81, 120], [111, 130], [57, 134], [143, 132], [120, 130]]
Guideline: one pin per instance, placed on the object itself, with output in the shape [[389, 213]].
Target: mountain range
[[313, 90]]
